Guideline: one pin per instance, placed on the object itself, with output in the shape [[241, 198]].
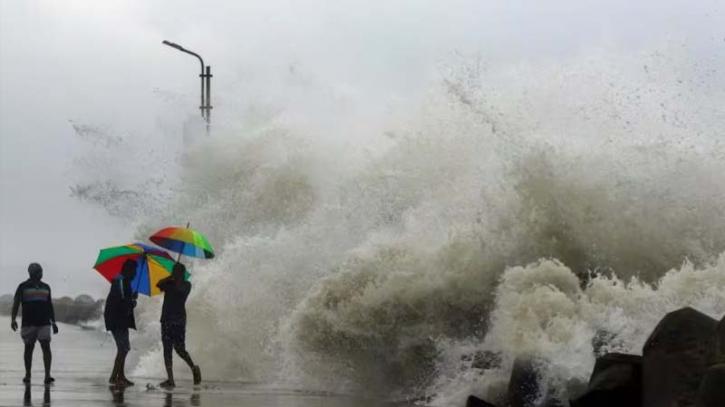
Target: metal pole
[[201, 106], [204, 106], [208, 99]]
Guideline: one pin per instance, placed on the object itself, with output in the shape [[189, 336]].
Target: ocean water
[[523, 210]]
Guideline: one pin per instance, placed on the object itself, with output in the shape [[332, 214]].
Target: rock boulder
[[615, 381], [712, 387], [675, 357], [474, 401]]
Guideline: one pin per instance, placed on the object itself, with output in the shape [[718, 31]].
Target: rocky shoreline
[[77, 311], [682, 365]]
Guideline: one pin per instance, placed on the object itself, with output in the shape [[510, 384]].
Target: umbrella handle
[[182, 244], [138, 273]]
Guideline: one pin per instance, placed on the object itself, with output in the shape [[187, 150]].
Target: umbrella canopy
[[183, 241], [153, 265]]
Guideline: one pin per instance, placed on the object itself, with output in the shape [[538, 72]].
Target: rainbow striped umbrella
[[153, 265], [183, 241]]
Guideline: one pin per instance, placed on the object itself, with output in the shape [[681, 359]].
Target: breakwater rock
[[682, 365]]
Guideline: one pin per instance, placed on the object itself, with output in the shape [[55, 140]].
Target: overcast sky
[[102, 63]]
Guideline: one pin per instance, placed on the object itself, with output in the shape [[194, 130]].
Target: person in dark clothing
[[38, 317], [118, 315], [173, 323]]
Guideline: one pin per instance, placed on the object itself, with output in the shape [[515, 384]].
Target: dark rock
[[575, 386], [611, 360], [474, 401], [524, 384], [718, 348], [615, 381], [526, 388], [675, 358], [712, 387]]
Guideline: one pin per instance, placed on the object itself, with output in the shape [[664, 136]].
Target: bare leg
[[121, 370], [183, 354], [114, 373], [28, 357], [169, 363], [47, 360]]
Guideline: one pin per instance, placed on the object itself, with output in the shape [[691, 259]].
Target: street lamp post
[[205, 106]]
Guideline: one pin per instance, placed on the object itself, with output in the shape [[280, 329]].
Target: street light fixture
[[205, 104]]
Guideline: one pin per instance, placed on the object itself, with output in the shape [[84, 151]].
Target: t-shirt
[[34, 296], [174, 308]]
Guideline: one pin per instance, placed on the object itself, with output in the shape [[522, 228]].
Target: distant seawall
[[68, 310]]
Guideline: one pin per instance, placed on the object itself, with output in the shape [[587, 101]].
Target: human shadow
[[28, 395], [119, 395], [119, 398], [194, 400]]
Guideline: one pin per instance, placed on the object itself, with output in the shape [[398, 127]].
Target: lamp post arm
[[205, 107], [182, 49], [196, 55]]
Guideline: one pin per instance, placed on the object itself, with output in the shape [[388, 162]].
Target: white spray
[[468, 221]]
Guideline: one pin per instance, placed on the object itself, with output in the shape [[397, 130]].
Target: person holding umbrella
[[119, 318], [131, 269], [176, 289], [173, 323]]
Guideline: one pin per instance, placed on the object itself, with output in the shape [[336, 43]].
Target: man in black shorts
[[173, 322], [38, 317]]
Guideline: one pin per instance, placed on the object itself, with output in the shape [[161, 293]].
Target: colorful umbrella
[[183, 241], [153, 265]]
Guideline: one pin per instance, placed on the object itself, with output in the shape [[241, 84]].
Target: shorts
[[30, 334], [120, 335], [174, 333]]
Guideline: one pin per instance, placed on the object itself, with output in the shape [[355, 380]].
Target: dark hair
[[35, 270], [129, 267], [179, 268]]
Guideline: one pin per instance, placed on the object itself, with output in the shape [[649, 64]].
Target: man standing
[[38, 316]]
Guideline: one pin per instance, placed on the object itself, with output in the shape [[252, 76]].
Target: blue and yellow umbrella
[[153, 265]]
